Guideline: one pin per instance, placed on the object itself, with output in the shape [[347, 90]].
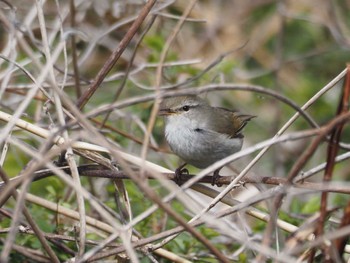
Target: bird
[[199, 133]]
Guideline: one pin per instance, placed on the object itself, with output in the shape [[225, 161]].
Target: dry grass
[[86, 175]]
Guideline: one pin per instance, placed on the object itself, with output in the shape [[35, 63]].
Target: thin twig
[[130, 64], [332, 150], [74, 51], [32, 223], [298, 165], [101, 172], [115, 54]]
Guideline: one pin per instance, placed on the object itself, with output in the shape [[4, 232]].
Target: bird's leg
[[178, 172], [216, 176]]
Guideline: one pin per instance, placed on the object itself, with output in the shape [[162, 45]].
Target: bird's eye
[[186, 108]]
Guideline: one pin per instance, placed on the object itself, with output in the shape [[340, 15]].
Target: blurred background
[[294, 48]]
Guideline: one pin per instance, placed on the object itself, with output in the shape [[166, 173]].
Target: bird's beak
[[165, 112]]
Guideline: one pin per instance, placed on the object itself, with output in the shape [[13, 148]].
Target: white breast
[[197, 145]]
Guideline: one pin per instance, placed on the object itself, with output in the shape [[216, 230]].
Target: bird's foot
[[216, 177], [178, 172]]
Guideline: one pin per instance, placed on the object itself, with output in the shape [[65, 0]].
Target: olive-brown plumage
[[199, 133]]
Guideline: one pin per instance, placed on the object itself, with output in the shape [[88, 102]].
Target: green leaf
[[312, 206]]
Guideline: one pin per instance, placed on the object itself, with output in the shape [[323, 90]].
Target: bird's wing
[[229, 122]]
